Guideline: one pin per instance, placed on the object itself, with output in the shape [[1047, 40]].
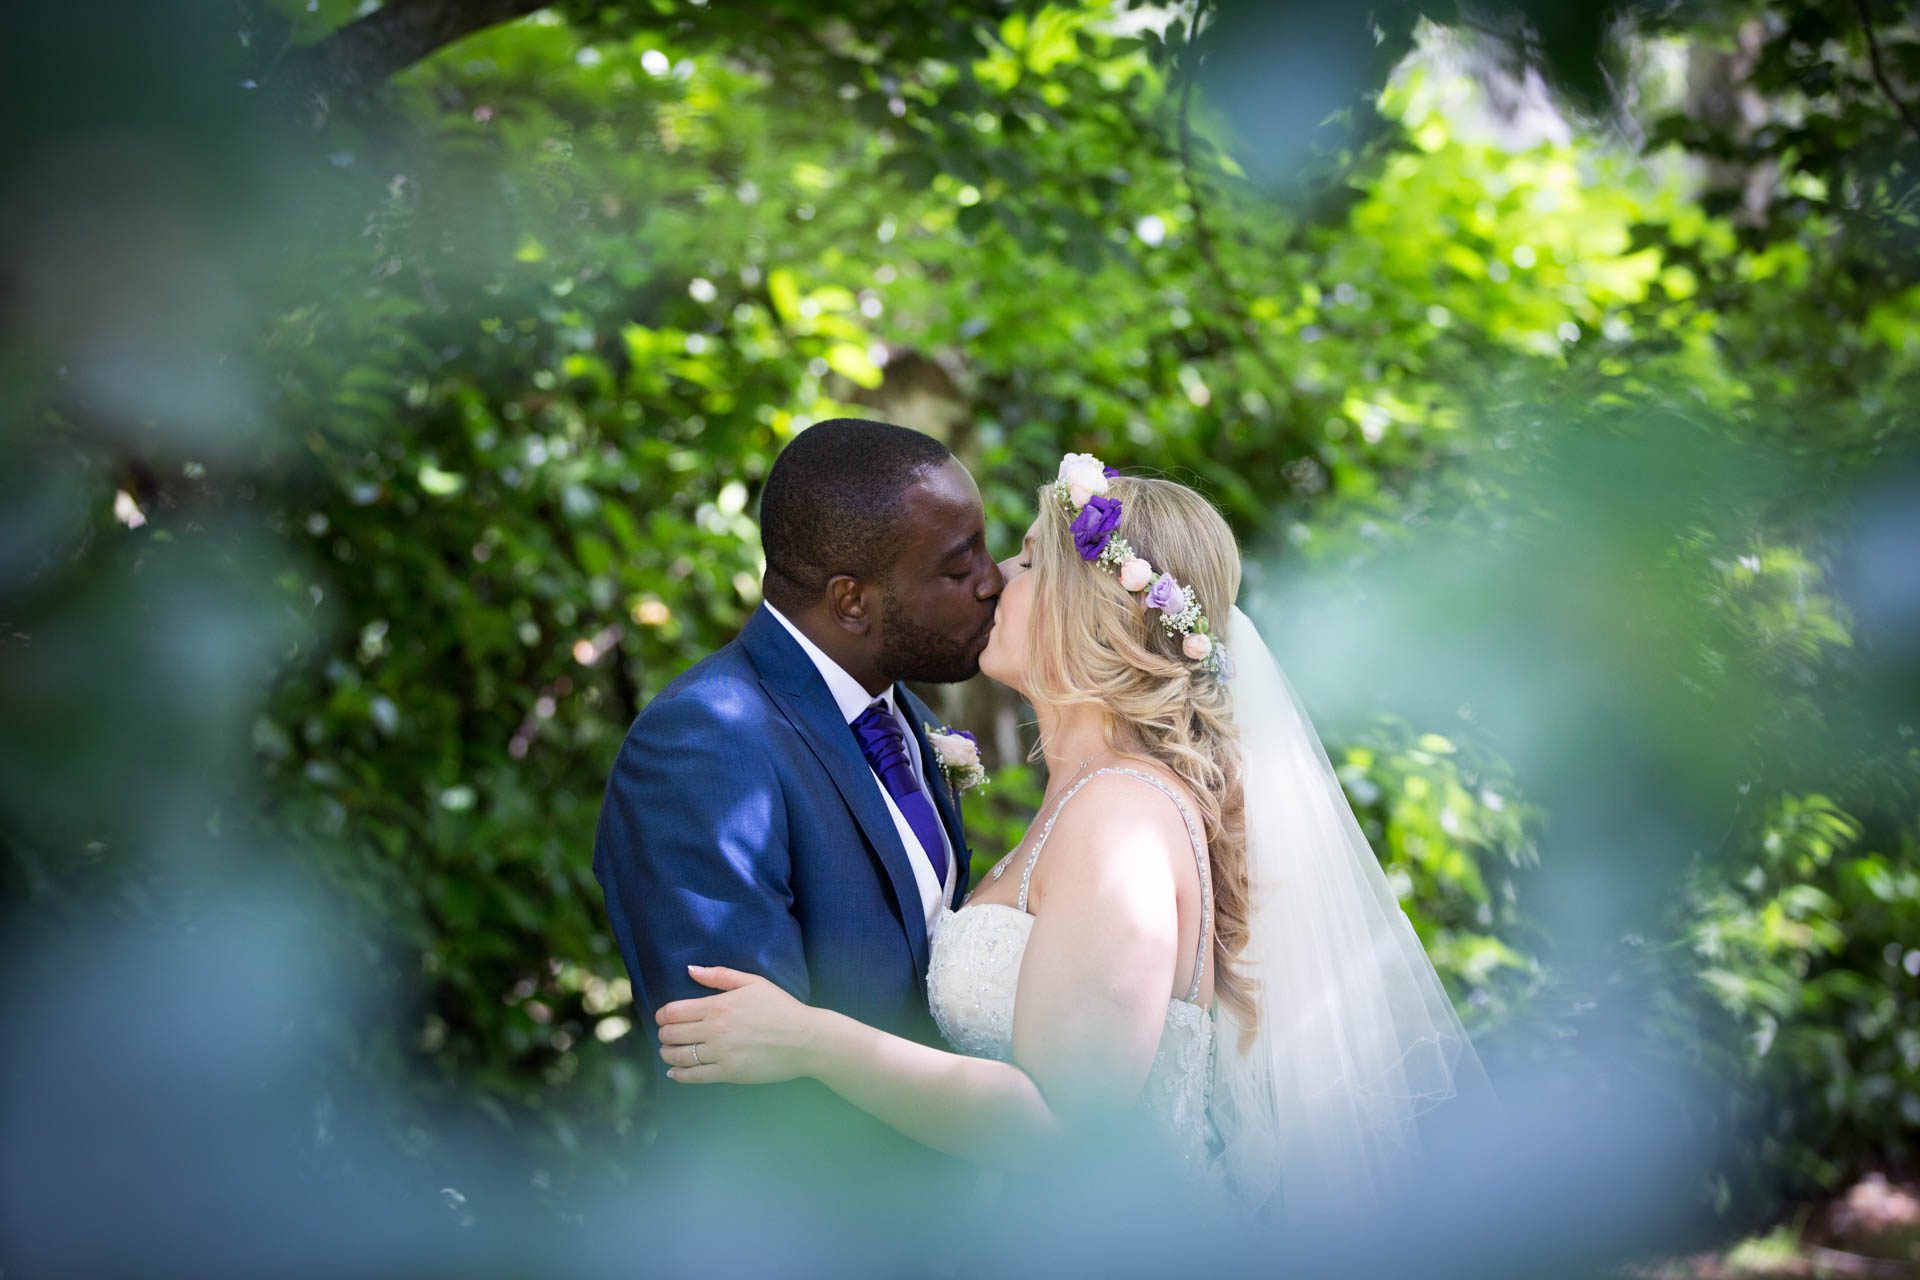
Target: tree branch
[[390, 39], [1880, 71]]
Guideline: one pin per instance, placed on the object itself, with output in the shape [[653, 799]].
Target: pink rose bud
[[1196, 646], [1135, 573]]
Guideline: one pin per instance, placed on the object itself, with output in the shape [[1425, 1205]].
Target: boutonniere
[[958, 753]]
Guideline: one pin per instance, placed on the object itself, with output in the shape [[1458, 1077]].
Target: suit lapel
[[789, 676], [943, 797]]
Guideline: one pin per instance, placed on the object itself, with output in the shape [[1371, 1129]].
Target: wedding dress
[[1308, 1114], [974, 974]]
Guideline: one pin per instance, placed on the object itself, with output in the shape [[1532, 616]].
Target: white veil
[[1355, 1036]]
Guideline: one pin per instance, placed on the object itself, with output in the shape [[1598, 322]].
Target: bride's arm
[[756, 1033], [975, 1108], [1091, 1005]]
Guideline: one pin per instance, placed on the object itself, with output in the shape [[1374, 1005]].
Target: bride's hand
[[751, 1033]]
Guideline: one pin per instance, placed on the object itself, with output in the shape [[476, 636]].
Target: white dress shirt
[[853, 701]]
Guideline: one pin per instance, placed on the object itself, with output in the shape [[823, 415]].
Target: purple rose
[[1165, 595], [1094, 526], [1110, 471]]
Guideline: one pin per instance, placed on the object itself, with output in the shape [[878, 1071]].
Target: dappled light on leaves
[[388, 402]]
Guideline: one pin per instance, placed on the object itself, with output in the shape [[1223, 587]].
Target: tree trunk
[[1719, 93]]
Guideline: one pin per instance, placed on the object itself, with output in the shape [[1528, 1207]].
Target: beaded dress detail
[[974, 975]]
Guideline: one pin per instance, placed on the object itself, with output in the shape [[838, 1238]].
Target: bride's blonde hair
[[1090, 642]]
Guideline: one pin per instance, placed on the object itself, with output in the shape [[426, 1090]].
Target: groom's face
[[937, 604]]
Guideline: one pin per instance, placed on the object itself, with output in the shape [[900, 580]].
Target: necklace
[[1074, 776], [1000, 868]]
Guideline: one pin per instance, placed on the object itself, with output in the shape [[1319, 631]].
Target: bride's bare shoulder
[[1121, 827], [1129, 784]]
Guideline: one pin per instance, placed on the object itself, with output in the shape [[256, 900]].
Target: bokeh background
[[387, 392]]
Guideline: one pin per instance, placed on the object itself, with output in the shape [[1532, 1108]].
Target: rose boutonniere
[[958, 753]]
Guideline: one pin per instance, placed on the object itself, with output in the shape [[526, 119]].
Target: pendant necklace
[[1001, 868]]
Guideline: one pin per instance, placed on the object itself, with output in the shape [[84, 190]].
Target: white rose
[[1135, 573], [1085, 475], [1069, 462], [955, 751]]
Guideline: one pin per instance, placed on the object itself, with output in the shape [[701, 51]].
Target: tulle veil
[[1317, 1103]]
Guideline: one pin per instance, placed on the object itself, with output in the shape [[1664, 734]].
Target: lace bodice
[[974, 977]]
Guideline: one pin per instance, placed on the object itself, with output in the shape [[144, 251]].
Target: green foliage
[[563, 524], [1451, 831], [555, 298], [1809, 954]]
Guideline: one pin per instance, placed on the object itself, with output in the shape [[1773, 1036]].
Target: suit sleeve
[[692, 855]]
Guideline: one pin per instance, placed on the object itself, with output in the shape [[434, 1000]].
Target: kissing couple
[[1193, 940]]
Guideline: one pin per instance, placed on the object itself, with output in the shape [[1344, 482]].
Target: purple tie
[[884, 744]]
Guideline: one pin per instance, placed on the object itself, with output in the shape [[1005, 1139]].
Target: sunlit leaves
[[604, 270]]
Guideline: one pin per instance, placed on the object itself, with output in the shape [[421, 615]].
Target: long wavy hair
[[1090, 642]]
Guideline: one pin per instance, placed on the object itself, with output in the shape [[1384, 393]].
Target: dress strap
[[1193, 836]]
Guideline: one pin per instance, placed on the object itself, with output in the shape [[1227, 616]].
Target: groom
[[777, 809]]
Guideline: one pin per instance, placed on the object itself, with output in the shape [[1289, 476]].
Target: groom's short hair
[[833, 501]]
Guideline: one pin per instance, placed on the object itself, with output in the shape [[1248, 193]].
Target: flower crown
[[1081, 489]]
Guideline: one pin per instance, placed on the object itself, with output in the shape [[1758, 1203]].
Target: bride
[[1193, 932]]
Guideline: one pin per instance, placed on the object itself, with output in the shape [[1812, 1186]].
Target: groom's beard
[[909, 651]]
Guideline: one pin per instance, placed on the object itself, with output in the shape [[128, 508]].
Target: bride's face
[[1005, 657]]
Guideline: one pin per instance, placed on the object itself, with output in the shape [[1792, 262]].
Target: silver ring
[[696, 1057]]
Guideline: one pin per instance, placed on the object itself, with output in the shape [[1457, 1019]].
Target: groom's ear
[[848, 600]]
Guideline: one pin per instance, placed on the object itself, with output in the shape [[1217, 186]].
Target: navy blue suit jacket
[[742, 827]]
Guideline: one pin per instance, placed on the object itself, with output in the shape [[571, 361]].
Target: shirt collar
[[848, 694]]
